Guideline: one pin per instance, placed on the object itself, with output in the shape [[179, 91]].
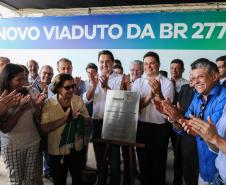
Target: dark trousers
[[185, 159], [177, 165], [189, 159], [113, 159], [153, 158], [46, 163], [74, 162]]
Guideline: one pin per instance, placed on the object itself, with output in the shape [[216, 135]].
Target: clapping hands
[[9, 100]]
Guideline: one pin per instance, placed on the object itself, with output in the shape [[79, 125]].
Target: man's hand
[[39, 99], [206, 130], [187, 126], [171, 111], [94, 80], [77, 81], [155, 88], [104, 81]]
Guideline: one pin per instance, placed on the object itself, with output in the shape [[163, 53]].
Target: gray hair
[[205, 63], [139, 62], [5, 60]]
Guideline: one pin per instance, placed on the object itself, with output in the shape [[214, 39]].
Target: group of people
[[54, 116]]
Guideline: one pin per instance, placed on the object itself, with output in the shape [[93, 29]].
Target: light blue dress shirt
[[214, 108], [221, 158]]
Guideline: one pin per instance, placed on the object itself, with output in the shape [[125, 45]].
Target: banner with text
[[178, 30]]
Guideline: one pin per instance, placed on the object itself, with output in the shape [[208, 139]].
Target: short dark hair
[[106, 52], [64, 60], [222, 58], [92, 66], [118, 67], [205, 63], [178, 61], [117, 62], [59, 80], [25, 68], [7, 74], [163, 73], [152, 54]]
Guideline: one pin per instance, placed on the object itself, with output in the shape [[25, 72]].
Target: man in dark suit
[[221, 64]]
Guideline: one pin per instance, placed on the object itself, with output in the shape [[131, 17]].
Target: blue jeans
[[46, 163]]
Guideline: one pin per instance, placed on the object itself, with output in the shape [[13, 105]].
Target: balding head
[[33, 67], [46, 74], [3, 61]]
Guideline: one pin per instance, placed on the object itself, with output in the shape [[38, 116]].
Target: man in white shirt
[[33, 67], [176, 71], [97, 93], [136, 70], [64, 65], [152, 129]]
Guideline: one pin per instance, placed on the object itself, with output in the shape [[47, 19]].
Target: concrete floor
[[91, 163]]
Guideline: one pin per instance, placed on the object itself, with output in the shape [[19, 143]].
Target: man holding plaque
[[153, 129], [96, 92]]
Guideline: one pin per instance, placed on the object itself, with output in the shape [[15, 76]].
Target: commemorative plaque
[[121, 116]]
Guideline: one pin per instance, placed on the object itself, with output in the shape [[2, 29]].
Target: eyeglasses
[[68, 87]]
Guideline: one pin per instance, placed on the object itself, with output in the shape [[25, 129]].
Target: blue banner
[[180, 30]]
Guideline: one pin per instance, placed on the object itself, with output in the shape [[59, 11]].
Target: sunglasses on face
[[68, 87]]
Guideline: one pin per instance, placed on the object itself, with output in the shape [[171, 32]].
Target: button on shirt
[[221, 158], [149, 113], [114, 83], [214, 107]]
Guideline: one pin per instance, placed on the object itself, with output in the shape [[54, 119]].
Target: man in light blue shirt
[[216, 139], [209, 100]]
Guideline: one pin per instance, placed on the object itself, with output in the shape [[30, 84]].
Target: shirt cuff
[[210, 149], [179, 132], [85, 99]]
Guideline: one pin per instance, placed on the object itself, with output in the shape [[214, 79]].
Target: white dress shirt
[[180, 83], [149, 113], [114, 83]]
